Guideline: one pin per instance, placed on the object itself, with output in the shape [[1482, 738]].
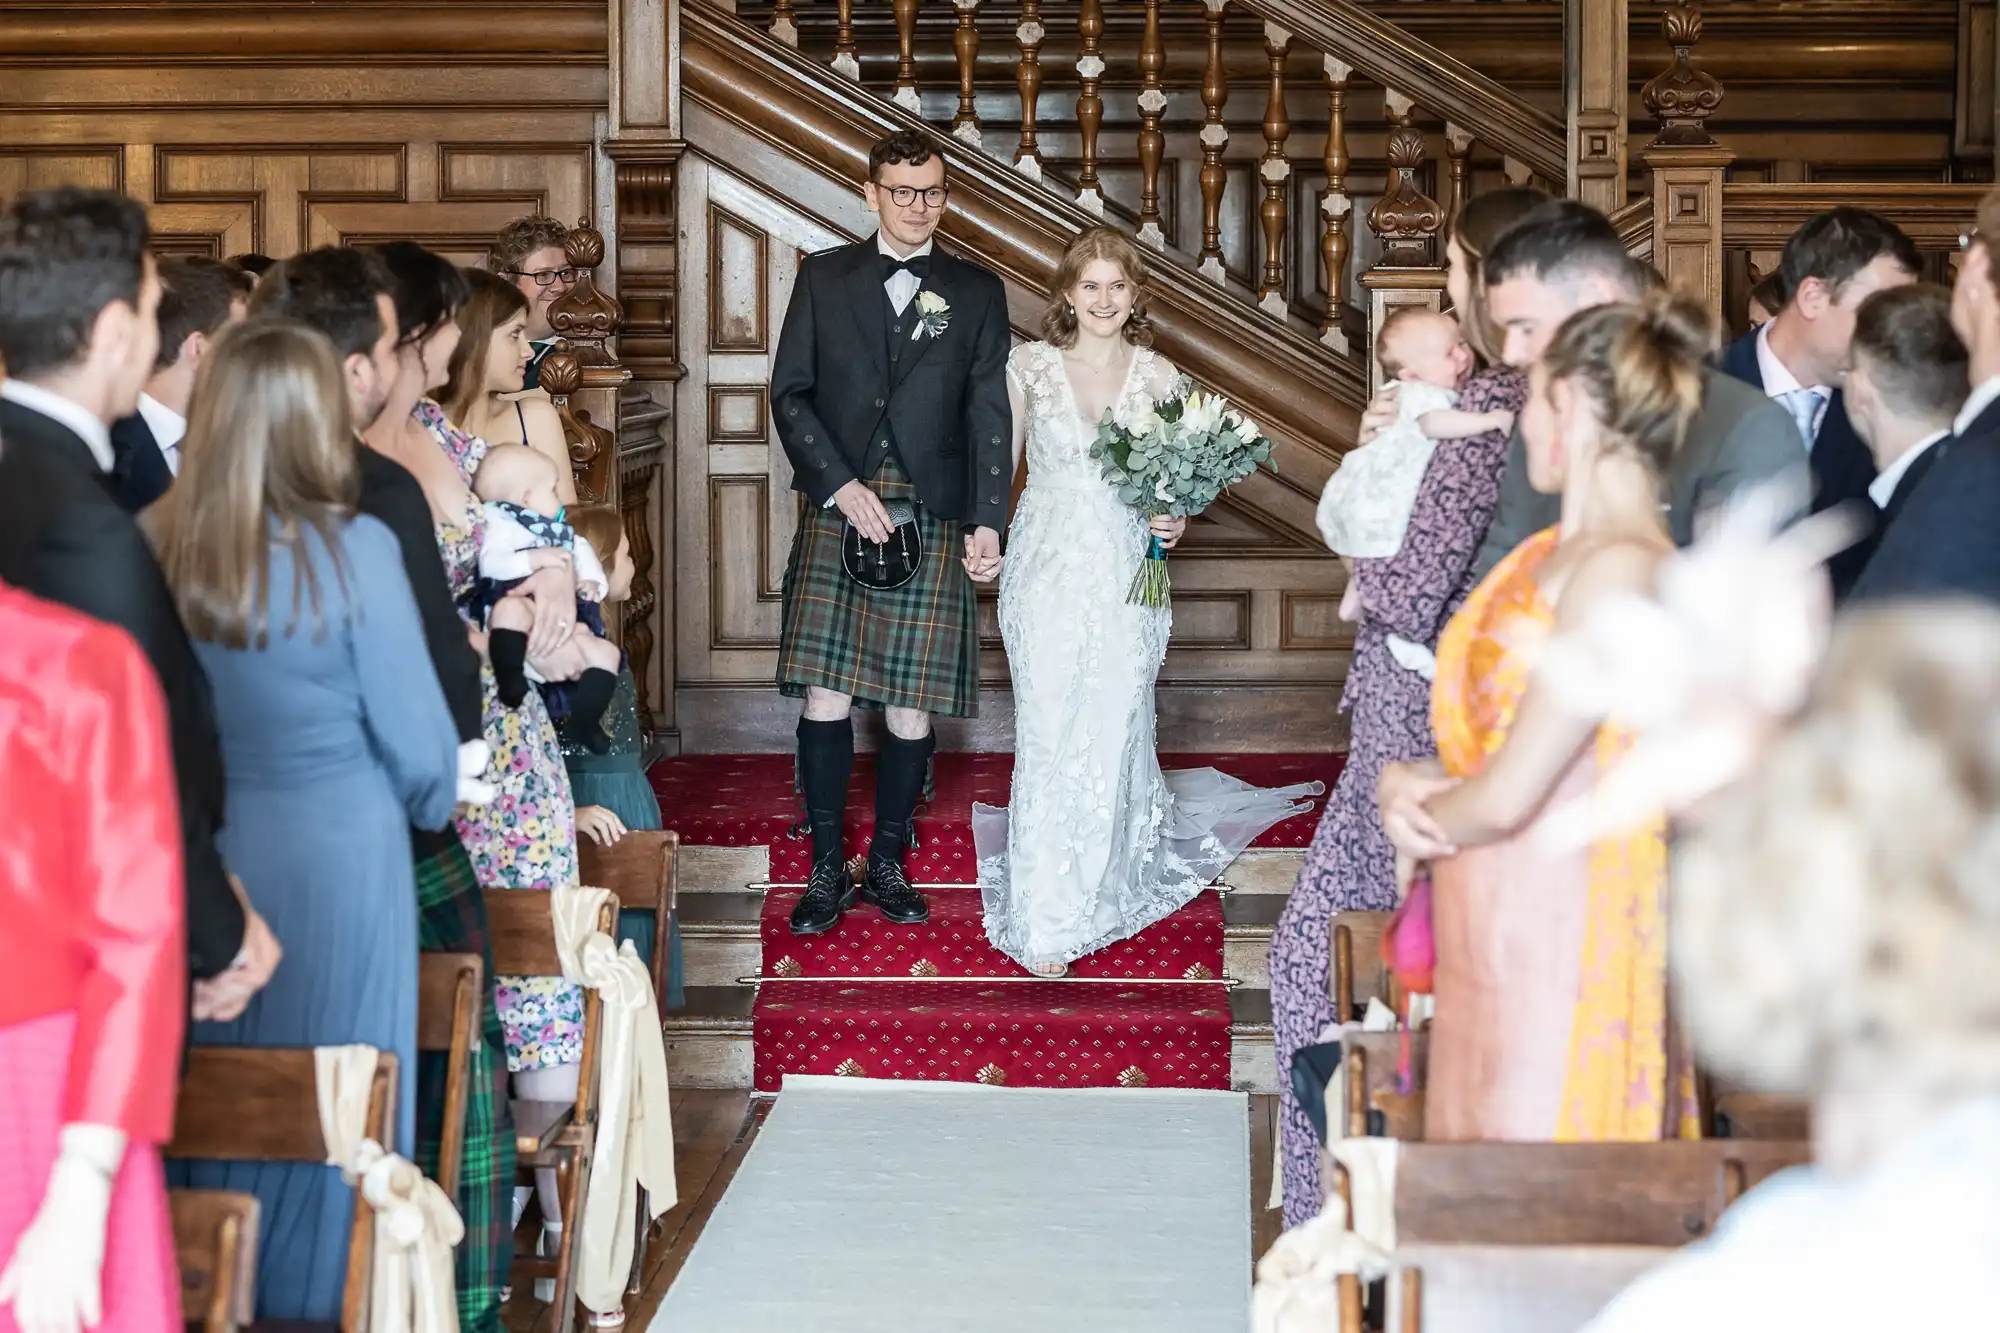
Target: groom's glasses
[[902, 196]]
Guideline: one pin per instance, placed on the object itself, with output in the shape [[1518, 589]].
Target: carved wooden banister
[[1759, 216], [1687, 164]]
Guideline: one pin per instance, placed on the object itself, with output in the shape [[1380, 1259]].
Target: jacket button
[[821, 465], [809, 439], [996, 439], [885, 444], [791, 411], [994, 470], [993, 499], [879, 402]]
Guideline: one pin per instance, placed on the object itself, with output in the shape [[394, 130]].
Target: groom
[[888, 389]]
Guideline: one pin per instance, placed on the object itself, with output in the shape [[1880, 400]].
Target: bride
[[1097, 843]]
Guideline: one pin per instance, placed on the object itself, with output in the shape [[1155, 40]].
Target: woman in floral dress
[[1410, 595]]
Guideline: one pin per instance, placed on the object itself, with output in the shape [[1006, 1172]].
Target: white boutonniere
[[933, 315]]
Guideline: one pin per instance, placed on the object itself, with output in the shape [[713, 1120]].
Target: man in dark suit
[[1906, 378], [1945, 541], [78, 337], [890, 396], [1837, 260], [1564, 257], [198, 296]]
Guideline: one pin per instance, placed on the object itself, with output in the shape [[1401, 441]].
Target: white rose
[[1144, 421], [1202, 414], [930, 303], [1246, 430]]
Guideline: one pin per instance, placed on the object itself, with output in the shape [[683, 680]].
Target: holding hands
[[1403, 792], [982, 555]]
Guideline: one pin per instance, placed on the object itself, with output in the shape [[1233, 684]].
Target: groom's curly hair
[[1059, 318]]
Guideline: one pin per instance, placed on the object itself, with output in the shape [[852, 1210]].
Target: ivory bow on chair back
[[635, 1133], [416, 1226], [1297, 1289]]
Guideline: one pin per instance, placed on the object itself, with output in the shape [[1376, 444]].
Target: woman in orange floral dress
[[1551, 979]]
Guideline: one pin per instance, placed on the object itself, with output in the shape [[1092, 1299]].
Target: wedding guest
[[1767, 298], [526, 837], [91, 1018], [1906, 379], [1350, 864], [345, 294], [612, 794], [1550, 983], [1835, 918], [337, 738], [1831, 265], [1567, 257], [197, 298], [1945, 541], [483, 393], [78, 335], [529, 253]]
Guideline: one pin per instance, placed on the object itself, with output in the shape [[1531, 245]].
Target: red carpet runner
[[887, 1001]]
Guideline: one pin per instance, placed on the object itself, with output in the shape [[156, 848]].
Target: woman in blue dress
[[336, 738]]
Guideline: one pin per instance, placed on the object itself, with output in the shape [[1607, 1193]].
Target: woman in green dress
[[612, 793]]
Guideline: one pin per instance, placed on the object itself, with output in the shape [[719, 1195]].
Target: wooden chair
[[1535, 1237], [557, 1135], [1374, 1104], [449, 987], [1355, 973], [261, 1104], [215, 1241], [642, 868], [1761, 1115]]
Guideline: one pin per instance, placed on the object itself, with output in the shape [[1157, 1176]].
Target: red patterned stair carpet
[[938, 1001]]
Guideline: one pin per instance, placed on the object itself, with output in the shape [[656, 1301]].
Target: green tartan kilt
[[916, 646]]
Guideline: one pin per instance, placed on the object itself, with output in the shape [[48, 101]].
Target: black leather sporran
[[880, 566]]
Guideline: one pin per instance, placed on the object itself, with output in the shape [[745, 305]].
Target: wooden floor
[[714, 1129]]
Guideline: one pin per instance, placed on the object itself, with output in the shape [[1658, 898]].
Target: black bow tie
[[917, 264]]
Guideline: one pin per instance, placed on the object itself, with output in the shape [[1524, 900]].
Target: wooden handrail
[[1386, 54]]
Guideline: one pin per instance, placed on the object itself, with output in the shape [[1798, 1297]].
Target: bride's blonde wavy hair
[[1835, 923], [1059, 320]]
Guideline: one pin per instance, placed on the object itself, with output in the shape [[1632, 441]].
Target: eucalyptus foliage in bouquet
[[1169, 458]]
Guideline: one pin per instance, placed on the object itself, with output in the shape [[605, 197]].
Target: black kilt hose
[[916, 646], [913, 401]]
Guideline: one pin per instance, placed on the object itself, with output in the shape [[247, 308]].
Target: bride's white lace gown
[[1097, 843]]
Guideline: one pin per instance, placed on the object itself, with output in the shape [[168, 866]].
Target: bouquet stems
[[1150, 586]]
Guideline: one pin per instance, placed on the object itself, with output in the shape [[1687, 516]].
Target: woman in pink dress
[[94, 953]]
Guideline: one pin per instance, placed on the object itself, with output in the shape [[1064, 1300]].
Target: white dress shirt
[[1889, 478], [169, 429], [71, 414], [1779, 381], [1982, 396], [902, 285]]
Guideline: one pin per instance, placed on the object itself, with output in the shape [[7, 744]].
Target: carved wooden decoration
[[1028, 80], [965, 46], [1405, 218], [1682, 97], [1152, 143], [1214, 139], [907, 96], [1275, 172], [1335, 207], [644, 174], [1458, 149], [585, 320], [1089, 106]]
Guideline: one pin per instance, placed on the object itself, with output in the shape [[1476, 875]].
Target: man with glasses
[[529, 253], [890, 396]]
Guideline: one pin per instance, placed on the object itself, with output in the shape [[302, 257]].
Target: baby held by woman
[[524, 513], [1365, 509]]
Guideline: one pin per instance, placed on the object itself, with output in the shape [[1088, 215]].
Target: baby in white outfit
[[1365, 510]]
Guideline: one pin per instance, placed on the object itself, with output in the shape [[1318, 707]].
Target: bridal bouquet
[[1170, 457]]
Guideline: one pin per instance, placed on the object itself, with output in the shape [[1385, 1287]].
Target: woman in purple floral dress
[[1409, 595]]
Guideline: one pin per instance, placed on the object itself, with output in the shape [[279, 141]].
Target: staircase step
[[724, 944], [709, 1041], [1265, 870]]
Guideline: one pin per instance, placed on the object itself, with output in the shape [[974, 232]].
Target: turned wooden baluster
[[1458, 148], [906, 57], [783, 26], [1028, 79], [1275, 171], [1335, 207], [1517, 173], [1152, 143], [846, 60], [965, 44], [1089, 106], [1214, 139]]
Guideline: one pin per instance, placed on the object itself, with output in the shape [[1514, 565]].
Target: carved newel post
[[1407, 222], [1687, 164], [581, 376]]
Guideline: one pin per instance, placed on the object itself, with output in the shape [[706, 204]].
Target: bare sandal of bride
[[1050, 971]]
